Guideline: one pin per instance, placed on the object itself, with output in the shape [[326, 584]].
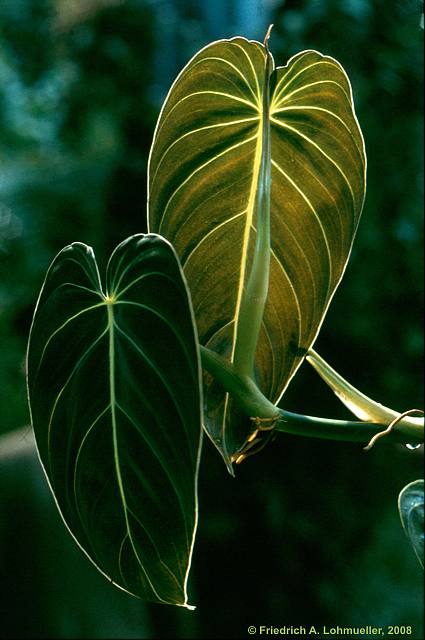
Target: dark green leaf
[[114, 391], [203, 179], [411, 508]]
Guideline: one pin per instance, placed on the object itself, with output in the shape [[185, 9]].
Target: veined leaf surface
[[204, 174], [411, 509], [114, 391]]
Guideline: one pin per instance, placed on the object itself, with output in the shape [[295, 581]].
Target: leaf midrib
[[111, 328], [249, 227]]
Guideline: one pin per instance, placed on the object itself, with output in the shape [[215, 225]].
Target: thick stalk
[[357, 402], [256, 289], [241, 387], [249, 397], [348, 430]]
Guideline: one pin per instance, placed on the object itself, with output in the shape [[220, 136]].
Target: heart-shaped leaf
[[204, 176], [114, 391], [411, 508]]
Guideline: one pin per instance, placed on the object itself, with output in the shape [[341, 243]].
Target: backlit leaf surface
[[411, 508], [204, 173], [113, 383]]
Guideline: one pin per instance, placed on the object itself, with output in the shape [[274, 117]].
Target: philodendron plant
[[256, 182]]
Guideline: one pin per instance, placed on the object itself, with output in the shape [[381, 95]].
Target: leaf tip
[[267, 37]]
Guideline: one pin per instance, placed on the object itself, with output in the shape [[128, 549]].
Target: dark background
[[308, 532]]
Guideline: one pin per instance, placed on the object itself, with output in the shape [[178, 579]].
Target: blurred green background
[[308, 532]]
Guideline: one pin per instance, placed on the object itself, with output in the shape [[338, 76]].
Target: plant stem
[[257, 285], [348, 430], [357, 402], [249, 397], [241, 387]]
